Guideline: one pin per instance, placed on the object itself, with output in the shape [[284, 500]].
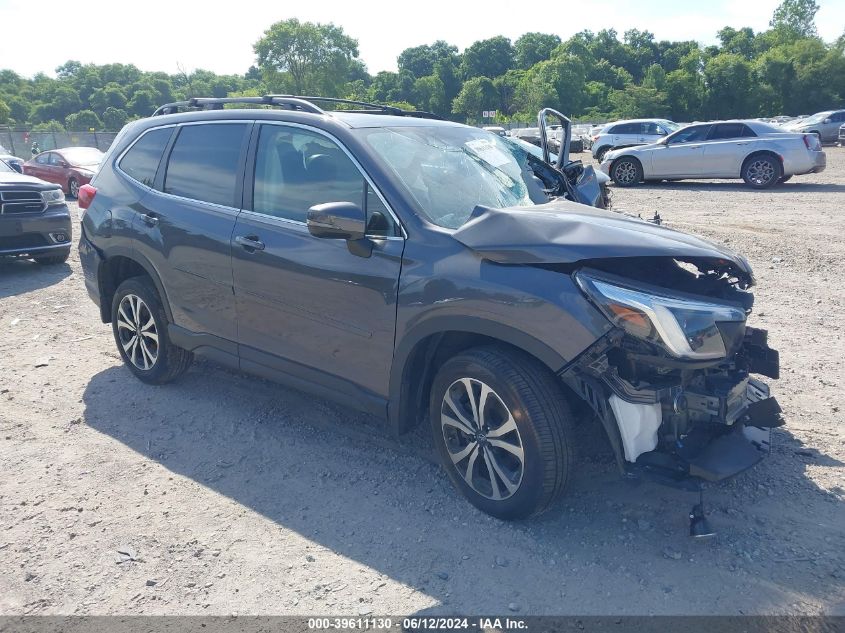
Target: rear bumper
[[36, 235], [90, 259]]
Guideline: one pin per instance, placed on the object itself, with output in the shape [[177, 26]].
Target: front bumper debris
[[687, 424]]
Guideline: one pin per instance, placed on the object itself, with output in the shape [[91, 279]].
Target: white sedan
[[761, 154]]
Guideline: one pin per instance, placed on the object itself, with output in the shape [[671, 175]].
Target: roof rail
[[290, 102]]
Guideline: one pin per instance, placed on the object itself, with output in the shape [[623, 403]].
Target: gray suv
[[423, 271]]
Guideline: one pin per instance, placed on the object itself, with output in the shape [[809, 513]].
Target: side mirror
[[337, 221], [17, 167], [826, 121], [662, 132]]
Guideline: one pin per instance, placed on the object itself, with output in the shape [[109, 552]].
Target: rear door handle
[[150, 219], [743, 143], [250, 243]]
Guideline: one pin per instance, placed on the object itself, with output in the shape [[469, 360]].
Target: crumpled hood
[[566, 232]]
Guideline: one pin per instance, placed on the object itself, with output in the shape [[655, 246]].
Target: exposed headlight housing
[[686, 328], [52, 197]]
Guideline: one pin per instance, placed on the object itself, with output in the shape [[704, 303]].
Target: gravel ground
[[224, 493]]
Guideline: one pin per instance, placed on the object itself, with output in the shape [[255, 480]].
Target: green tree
[[109, 96], [420, 60], [476, 95], [639, 101], [430, 95], [684, 95], [728, 79], [531, 48], [114, 119], [306, 57], [488, 58], [5, 112], [796, 18], [83, 121], [49, 126], [143, 103]]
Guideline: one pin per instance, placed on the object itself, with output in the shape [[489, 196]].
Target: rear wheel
[[761, 171], [139, 324], [73, 188], [626, 171], [502, 429], [601, 152]]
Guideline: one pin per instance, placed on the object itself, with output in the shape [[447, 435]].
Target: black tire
[[784, 179], [52, 260], [761, 171], [601, 152], [73, 188], [626, 171], [529, 393], [170, 361]]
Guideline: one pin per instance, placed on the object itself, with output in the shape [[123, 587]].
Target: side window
[[204, 162], [651, 128], [55, 159], [692, 134], [722, 131], [838, 117], [141, 161], [627, 128], [747, 131], [43, 159], [296, 169]]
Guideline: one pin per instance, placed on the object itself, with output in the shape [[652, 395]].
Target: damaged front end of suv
[[671, 376], [672, 382]]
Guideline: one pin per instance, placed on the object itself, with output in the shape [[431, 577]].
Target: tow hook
[[699, 527]]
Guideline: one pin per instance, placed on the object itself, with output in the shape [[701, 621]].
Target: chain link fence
[[19, 142]]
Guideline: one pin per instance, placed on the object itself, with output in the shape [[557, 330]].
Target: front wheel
[[626, 171], [762, 171], [139, 324], [501, 425], [73, 188]]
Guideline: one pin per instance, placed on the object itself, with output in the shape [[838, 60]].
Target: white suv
[[632, 132]]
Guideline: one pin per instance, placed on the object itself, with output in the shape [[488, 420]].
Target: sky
[[39, 36]]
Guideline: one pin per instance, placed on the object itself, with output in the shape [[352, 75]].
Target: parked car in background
[[35, 222], [414, 269], [761, 154], [69, 167], [12, 161], [842, 135], [825, 124], [630, 133], [495, 129]]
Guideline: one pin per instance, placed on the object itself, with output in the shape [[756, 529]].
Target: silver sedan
[[761, 154]]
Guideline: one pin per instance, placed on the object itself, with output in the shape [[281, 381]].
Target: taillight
[[811, 141], [86, 196]]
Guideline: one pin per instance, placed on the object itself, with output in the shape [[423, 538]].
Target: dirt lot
[[228, 494]]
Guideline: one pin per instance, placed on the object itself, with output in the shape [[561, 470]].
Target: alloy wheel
[[74, 188], [760, 172], [137, 332], [482, 439], [625, 172]]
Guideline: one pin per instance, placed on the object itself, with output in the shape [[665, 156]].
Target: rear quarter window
[[141, 161], [204, 162]]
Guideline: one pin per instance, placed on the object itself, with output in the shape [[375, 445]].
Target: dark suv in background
[[419, 269], [34, 218]]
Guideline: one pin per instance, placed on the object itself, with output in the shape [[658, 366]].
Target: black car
[[34, 219], [417, 269]]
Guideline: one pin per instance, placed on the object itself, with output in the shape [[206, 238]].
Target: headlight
[[686, 328], [53, 196]]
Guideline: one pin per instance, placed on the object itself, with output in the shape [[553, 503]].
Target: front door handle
[[743, 143], [250, 243], [150, 219]]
